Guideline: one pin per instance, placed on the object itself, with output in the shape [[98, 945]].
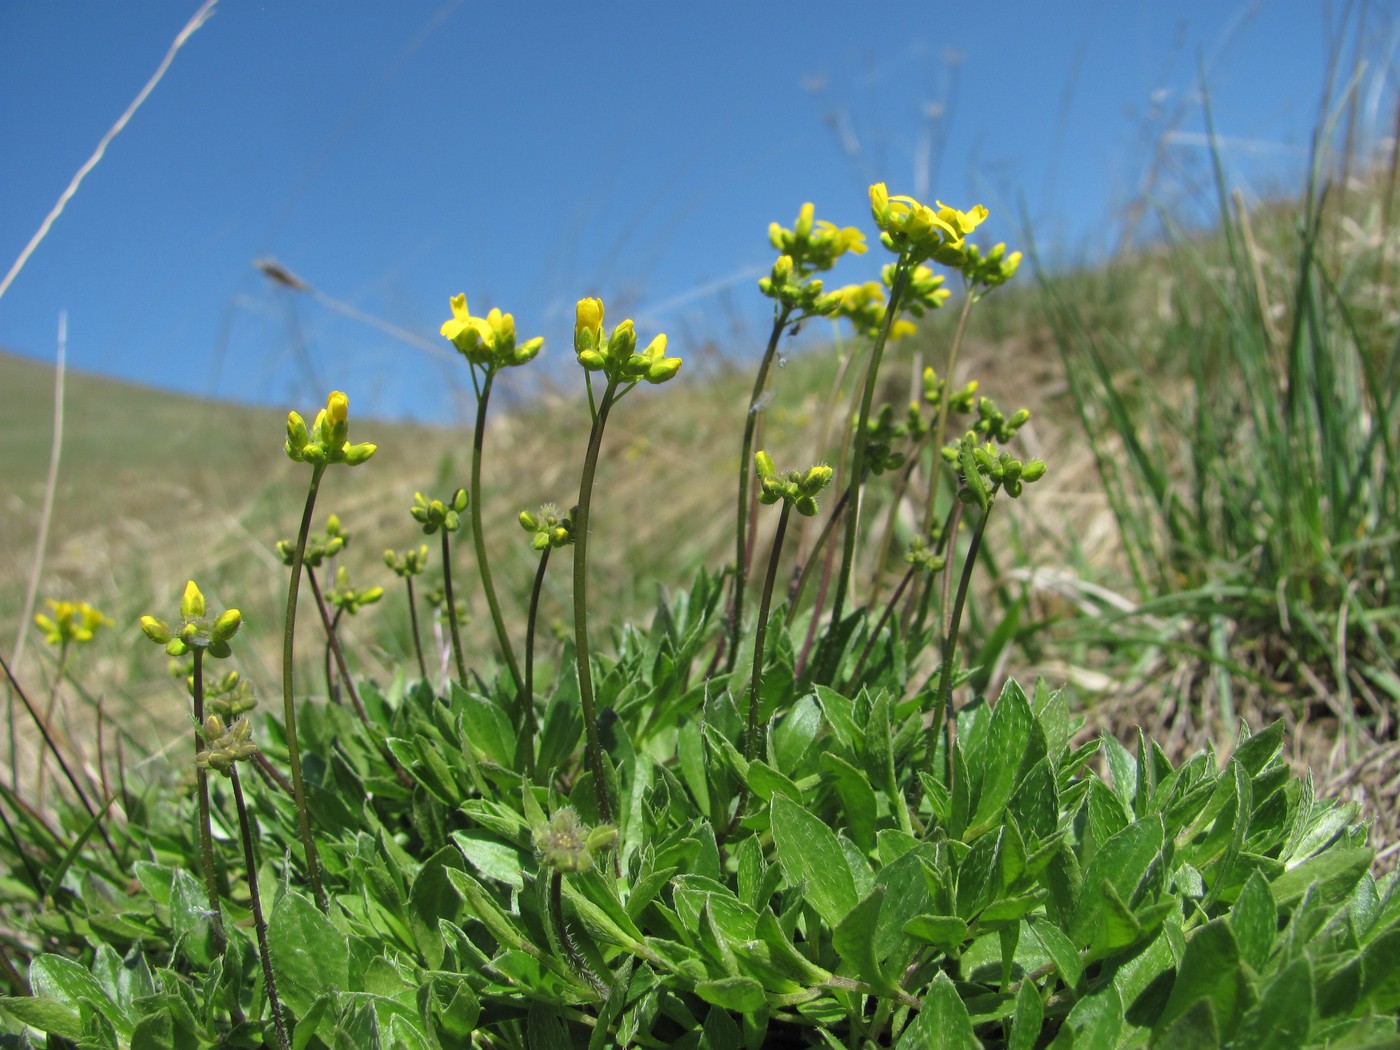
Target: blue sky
[[391, 155]]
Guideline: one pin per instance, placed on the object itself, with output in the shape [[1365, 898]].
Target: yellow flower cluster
[[617, 356], [907, 226], [487, 341], [70, 622]]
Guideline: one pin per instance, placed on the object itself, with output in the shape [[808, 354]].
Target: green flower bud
[[226, 625], [1033, 471], [459, 500], [191, 602], [157, 631], [528, 521], [591, 360], [357, 454], [763, 462]]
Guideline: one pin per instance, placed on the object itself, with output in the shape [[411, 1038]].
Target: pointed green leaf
[[943, 1022], [811, 856]]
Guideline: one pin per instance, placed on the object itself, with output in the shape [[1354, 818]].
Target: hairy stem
[[585, 672], [901, 281], [451, 604], [482, 562], [529, 726], [417, 635], [289, 710], [206, 837], [259, 923], [741, 553]]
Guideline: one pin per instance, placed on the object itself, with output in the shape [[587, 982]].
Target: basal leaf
[[811, 857], [943, 1022]]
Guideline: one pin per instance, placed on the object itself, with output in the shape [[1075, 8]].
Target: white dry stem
[[200, 17]]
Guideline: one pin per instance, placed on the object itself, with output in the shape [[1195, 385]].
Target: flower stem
[[585, 672], [941, 423], [830, 657], [451, 604], [343, 668], [206, 838], [259, 923], [741, 552], [942, 708], [527, 699], [482, 562], [765, 604], [289, 711], [417, 636]]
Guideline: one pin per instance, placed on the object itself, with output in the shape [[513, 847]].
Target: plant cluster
[[832, 845]]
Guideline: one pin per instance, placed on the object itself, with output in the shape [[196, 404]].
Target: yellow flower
[[459, 328], [70, 622], [920, 231], [588, 325]]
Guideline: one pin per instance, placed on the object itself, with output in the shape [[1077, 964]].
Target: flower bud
[[357, 454], [157, 631], [191, 602], [337, 407], [226, 625], [763, 462]]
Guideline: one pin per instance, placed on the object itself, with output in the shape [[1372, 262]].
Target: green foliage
[[1035, 902]]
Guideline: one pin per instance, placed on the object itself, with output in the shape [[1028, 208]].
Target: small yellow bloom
[[588, 325], [70, 622], [337, 406]]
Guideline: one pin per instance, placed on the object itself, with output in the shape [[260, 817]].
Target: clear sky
[[393, 154]]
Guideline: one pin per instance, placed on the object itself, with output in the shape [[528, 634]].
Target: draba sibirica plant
[[489, 344], [623, 366], [324, 443], [198, 633], [445, 517], [813, 246]]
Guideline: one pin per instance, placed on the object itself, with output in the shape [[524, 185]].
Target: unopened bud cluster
[[797, 488], [327, 440], [224, 745], [349, 599], [319, 548], [197, 630], [434, 514], [551, 529], [567, 844], [408, 563], [616, 355]]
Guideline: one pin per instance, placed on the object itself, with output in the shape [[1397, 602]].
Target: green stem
[[259, 923], [585, 672], [482, 563], [417, 635], [741, 553], [289, 711], [940, 425], [206, 838], [451, 604], [901, 281], [760, 638], [527, 699], [338, 651], [942, 708]]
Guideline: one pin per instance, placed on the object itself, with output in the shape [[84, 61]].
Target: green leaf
[[309, 955], [1283, 1014], [1093, 1023], [811, 857], [944, 932], [854, 940], [1061, 951], [56, 978], [857, 798], [943, 1022], [1333, 875], [1028, 1019], [1209, 970], [794, 734], [47, 1015], [1000, 759], [1121, 861], [765, 782], [1254, 920], [486, 726], [741, 994], [493, 858]]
